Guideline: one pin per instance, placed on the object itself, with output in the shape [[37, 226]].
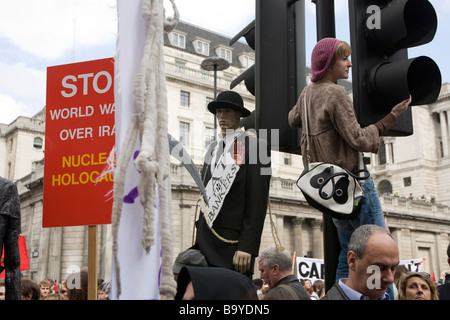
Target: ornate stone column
[[55, 252], [298, 235], [317, 239], [444, 132], [448, 123]]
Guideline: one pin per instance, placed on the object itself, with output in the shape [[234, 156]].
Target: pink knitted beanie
[[321, 57]]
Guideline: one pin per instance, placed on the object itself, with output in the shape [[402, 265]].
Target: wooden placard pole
[[92, 262], [294, 257]]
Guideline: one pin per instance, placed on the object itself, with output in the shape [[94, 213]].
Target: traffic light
[[248, 76], [381, 32], [278, 75]]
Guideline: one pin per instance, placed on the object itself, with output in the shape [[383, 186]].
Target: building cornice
[[22, 128]]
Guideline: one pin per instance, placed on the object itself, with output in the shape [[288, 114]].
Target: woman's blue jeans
[[371, 213]]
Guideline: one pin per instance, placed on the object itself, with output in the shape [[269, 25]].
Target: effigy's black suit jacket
[[244, 208]]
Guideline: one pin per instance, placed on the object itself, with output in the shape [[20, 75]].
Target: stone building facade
[[418, 165], [55, 253], [23, 136]]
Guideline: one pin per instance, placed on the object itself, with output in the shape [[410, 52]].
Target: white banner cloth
[[139, 271]]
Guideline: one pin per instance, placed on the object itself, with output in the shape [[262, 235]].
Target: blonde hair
[[342, 50], [402, 285]]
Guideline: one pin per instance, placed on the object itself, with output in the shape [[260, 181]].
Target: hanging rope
[[279, 247], [153, 160]]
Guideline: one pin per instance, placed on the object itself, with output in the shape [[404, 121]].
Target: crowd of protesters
[[371, 250], [276, 280], [49, 289]]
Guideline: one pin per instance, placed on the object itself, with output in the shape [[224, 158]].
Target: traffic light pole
[[326, 27], [325, 20], [300, 41], [215, 64]]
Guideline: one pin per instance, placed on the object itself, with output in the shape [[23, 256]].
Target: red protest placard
[[79, 137], [24, 262]]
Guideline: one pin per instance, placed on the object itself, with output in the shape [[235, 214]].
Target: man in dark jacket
[[444, 289], [237, 181], [275, 266], [372, 258], [10, 229]]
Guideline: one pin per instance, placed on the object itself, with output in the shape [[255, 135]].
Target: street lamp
[[215, 64]]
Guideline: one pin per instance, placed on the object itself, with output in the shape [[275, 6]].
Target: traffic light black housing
[[381, 32], [278, 74], [248, 76]]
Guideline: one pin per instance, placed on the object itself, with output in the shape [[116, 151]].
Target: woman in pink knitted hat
[[335, 135]]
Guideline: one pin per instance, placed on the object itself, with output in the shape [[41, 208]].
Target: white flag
[[136, 272]]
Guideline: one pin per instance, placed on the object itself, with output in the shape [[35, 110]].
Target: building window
[[179, 40], [209, 136], [407, 182], [180, 66], [385, 187], [37, 144], [287, 159], [386, 153], [247, 61], [184, 98], [225, 53], [382, 153], [202, 47], [184, 133]]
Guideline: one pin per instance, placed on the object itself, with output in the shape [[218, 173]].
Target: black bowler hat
[[228, 99]]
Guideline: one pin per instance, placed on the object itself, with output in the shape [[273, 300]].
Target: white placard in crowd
[[314, 269]]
